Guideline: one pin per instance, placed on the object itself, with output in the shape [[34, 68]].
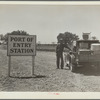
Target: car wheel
[[72, 65]]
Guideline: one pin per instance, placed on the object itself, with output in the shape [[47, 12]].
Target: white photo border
[[50, 95]]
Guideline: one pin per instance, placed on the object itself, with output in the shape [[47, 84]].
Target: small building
[[86, 36]]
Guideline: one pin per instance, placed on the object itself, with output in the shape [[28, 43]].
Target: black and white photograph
[[50, 47]]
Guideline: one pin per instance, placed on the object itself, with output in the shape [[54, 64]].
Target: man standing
[[59, 53]]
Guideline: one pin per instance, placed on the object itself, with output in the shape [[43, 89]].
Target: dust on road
[[48, 78]]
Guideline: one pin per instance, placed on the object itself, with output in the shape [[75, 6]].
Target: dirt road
[[48, 78]]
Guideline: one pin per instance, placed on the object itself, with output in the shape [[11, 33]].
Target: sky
[[47, 21]]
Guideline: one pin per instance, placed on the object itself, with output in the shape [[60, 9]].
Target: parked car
[[86, 52]]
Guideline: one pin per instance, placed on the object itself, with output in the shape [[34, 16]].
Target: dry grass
[[48, 78]]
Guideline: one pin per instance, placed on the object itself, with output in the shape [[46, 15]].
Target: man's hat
[[70, 52]]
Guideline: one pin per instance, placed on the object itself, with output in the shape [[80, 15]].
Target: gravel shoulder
[[48, 78]]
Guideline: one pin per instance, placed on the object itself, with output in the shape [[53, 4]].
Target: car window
[[84, 45]]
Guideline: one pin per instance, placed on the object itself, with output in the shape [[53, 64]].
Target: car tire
[[72, 65]]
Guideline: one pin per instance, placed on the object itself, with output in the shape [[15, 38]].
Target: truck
[[85, 53]]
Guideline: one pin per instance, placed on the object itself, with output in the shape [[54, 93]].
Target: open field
[[48, 78]]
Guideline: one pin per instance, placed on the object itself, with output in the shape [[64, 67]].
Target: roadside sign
[[21, 45]]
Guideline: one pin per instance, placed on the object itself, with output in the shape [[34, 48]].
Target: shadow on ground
[[88, 70], [34, 76]]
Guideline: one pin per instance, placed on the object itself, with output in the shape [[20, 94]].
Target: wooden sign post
[[21, 45], [9, 64], [33, 64]]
